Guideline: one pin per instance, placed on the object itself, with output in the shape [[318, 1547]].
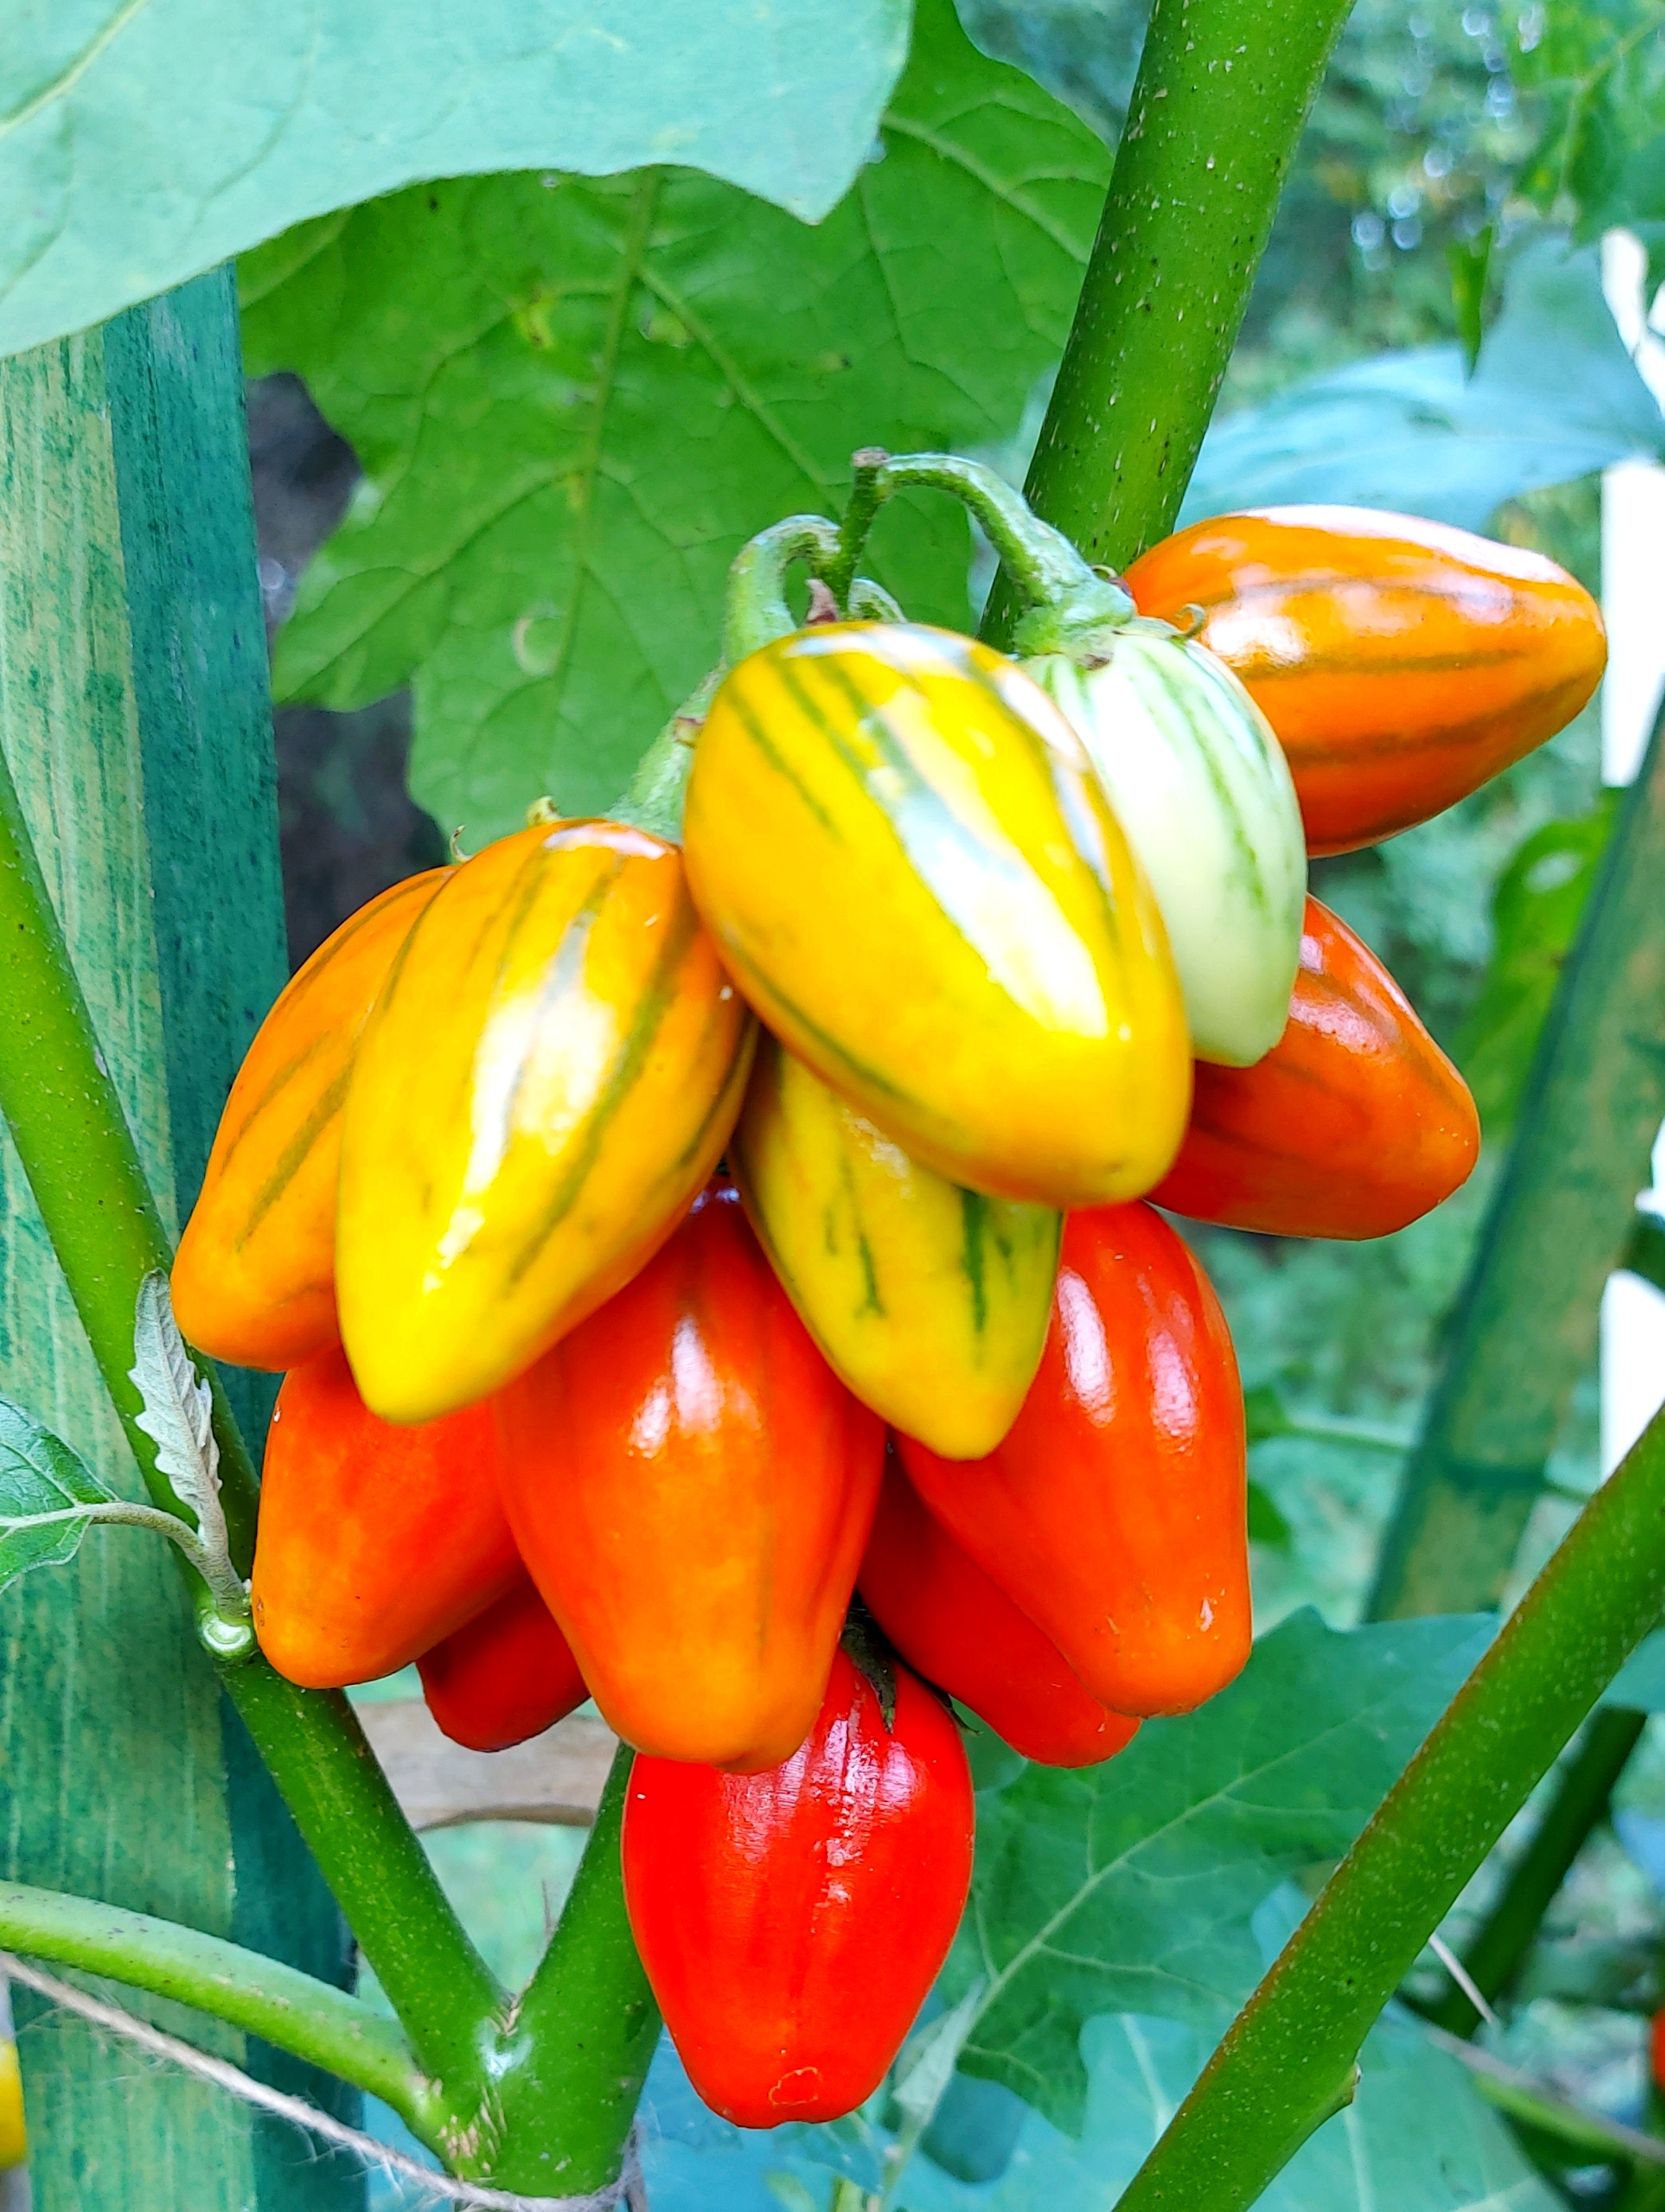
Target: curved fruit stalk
[[897, 842], [254, 1279], [692, 1487], [1402, 663], [1353, 1125], [963, 1632], [549, 1077], [1115, 1511], [929, 1300], [792, 1922], [509, 1674], [374, 1541], [1199, 785]]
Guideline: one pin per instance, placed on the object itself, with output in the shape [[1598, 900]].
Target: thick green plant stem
[[1558, 1226], [1224, 89], [1288, 2060], [1499, 1946], [293, 2010], [585, 2029], [84, 1170]]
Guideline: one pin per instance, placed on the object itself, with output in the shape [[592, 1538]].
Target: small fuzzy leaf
[[48, 1495], [177, 1410]]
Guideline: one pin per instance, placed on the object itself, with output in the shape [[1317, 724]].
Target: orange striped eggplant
[[1401, 663], [1353, 1125], [963, 1632], [692, 1486], [898, 842], [254, 1280], [1115, 1511], [374, 1542], [549, 1076]]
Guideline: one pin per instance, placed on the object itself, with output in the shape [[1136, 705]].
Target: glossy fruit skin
[[374, 1541], [1355, 1124], [1201, 785], [899, 846], [506, 1675], [963, 1633], [692, 1487], [549, 1077], [254, 1279], [1402, 663], [928, 1300], [792, 1922], [1115, 1513]]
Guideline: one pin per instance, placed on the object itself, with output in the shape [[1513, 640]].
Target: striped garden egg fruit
[[900, 848], [1401, 662], [548, 1079], [254, 1279], [929, 1301], [1201, 788]]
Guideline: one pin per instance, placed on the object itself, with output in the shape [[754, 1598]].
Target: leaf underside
[[123, 172], [39, 1474]]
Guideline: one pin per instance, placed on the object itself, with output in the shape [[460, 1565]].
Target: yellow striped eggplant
[[551, 1071], [1201, 785], [929, 1301], [254, 1280], [898, 843]]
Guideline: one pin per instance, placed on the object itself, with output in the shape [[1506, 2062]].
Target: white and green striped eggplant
[[1201, 789]]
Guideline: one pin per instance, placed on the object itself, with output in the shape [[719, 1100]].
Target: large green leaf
[[143, 141], [573, 401], [1132, 1887], [48, 1495]]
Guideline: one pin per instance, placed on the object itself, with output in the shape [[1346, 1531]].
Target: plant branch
[[83, 1167], [1289, 2059], [1224, 90], [307, 2018], [1557, 1227], [577, 2053], [1496, 1952]]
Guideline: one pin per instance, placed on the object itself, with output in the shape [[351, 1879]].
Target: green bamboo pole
[[193, 764], [1224, 90], [1557, 1227], [1288, 2061], [133, 715]]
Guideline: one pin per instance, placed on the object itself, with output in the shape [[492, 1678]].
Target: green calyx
[[756, 614], [1069, 606]]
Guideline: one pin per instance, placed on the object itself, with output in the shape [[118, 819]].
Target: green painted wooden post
[[134, 714]]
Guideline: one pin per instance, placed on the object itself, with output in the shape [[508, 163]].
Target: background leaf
[[123, 172], [1132, 1886], [40, 1474], [1536, 913], [573, 401], [1555, 396]]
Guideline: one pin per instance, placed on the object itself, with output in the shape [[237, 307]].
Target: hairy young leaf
[[1132, 1887], [41, 1479], [1555, 396], [123, 169], [574, 402], [178, 1411]]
